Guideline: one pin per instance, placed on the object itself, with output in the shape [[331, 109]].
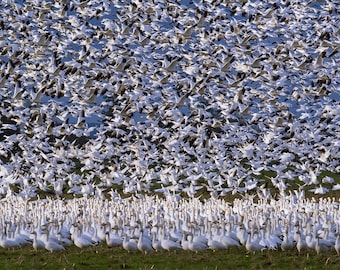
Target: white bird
[[253, 245], [196, 246], [63, 240], [51, 243], [310, 241], [53, 246], [241, 234], [287, 241], [226, 237], [6, 242], [37, 243], [215, 245], [184, 241], [81, 240], [337, 243], [20, 236], [170, 66], [300, 242], [130, 245], [322, 246], [113, 241], [144, 244], [168, 244], [156, 243]]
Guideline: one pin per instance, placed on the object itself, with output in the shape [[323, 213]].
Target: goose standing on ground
[[52, 245], [213, 243], [196, 246], [226, 237], [337, 243], [6, 242], [287, 241], [130, 245], [113, 241], [144, 244], [37, 243], [112, 235], [167, 243], [300, 241], [184, 241], [156, 243], [63, 240], [81, 240], [310, 241], [20, 236], [253, 245], [242, 234], [321, 246]]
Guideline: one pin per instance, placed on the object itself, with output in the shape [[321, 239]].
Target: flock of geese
[[151, 224], [169, 97]]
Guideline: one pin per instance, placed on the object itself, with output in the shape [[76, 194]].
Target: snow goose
[[300, 241], [200, 237], [310, 241], [168, 244], [168, 66], [270, 239], [156, 244], [184, 241], [214, 244], [241, 234], [20, 235], [144, 245], [287, 241], [64, 241], [113, 240], [253, 245], [37, 243], [196, 246], [52, 245], [7, 242], [337, 243], [80, 239], [130, 245], [228, 238], [321, 246]]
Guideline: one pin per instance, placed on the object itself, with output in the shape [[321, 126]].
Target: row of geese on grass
[[149, 224]]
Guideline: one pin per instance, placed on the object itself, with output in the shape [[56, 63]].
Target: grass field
[[102, 257]]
